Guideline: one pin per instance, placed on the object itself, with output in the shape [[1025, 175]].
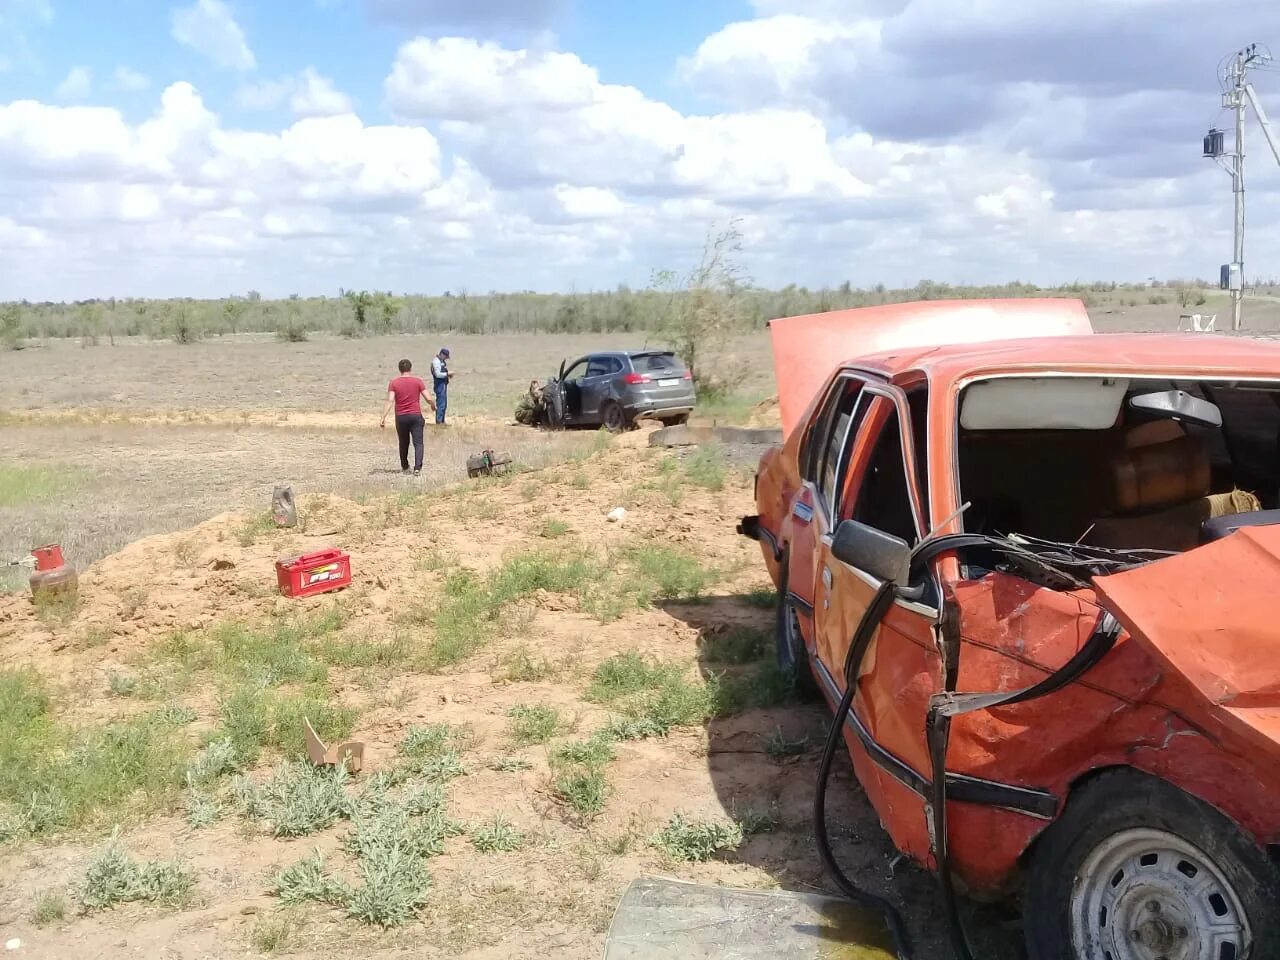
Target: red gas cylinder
[[51, 575]]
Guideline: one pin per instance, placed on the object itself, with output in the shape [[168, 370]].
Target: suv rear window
[[656, 362]]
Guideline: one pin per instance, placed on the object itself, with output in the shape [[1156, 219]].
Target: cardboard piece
[[321, 755]]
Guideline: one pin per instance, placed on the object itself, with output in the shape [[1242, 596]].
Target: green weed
[[54, 777], [553, 529], [522, 666], [706, 468], [595, 751], [738, 645], [756, 821], [308, 881], [777, 745], [299, 799], [50, 907], [695, 841], [115, 877], [654, 697], [529, 724], [585, 788], [203, 809], [509, 764], [255, 526], [763, 599], [496, 835], [35, 484], [395, 888], [273, 933]]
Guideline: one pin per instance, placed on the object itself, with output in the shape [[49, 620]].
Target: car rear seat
[[1159, 494]]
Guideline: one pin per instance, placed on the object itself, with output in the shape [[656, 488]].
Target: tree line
[[372, 313]]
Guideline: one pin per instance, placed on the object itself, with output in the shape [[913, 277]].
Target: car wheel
[[1135, 869], [613, 417], [793, 658]]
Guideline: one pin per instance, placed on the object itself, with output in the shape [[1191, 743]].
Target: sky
[[211, 147]]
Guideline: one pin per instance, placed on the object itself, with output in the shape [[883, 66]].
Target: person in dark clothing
[[405, 393], [441, 375]]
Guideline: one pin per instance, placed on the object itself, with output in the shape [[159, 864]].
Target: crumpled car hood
[[807, 349], [1213, 615]]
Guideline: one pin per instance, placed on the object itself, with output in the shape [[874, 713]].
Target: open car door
[[554, 401]]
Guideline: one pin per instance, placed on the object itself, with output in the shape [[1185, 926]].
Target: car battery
[[313, 573]]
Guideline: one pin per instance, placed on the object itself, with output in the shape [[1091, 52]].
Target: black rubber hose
[[857, 648]]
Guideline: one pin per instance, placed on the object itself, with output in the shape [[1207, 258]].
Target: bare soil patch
[[671, 586]]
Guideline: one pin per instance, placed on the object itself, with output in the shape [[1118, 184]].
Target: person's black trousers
[[409, 426]]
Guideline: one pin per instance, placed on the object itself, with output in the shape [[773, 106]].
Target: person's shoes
[[404, 471], [417, 473]]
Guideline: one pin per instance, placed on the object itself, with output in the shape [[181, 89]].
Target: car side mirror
[[874, 552]]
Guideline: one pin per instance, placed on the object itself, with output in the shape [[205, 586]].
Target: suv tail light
[[637, 378], [688, 374]]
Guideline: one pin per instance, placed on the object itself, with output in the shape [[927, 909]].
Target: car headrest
[[1156, 475]]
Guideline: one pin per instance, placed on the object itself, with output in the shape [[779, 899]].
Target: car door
[[812, 508], [878, 483], [571, 389], [595, 386]]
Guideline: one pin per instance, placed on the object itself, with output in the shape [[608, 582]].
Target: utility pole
[[1238, 94]]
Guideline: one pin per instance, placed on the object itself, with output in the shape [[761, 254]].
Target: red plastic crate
[[314, 573]]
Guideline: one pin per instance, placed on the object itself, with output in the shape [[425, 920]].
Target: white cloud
[[128, 80], [76, 85], [852, 139], [316, 96], [209, 28], [309, 94]]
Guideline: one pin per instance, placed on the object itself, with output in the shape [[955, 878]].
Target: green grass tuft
[[50, 907], [737, 646], [273, 933], [497, 835], [308, 881], [299, 799], [693, 841], [528, 724], [21, 485], [777, 745], [55, 778], [706, 468], [115, 877]]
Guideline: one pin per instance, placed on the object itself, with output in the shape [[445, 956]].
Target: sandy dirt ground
[[554, 897]]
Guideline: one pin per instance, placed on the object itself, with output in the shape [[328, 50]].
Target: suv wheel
[[1135, 869], [614, 417]]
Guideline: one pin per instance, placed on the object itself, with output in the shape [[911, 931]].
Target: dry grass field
[[552, 704]]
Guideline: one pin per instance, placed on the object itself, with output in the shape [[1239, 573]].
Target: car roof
[[1158, 353]]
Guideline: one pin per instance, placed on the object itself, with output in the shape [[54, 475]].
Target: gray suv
[[614, 389]]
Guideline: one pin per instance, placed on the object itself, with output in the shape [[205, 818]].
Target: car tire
[[793, 658], [1135, 868], [613, 417]]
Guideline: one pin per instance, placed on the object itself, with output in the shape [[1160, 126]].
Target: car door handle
[[826, 577]]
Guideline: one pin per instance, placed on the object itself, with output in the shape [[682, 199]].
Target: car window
[[817, 437], [883, 500], [599, 367], [918, 402], [846, 413], [577, 370], [656, 363], [616, 365]]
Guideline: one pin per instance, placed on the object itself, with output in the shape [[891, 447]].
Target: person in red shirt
[[405, 394]]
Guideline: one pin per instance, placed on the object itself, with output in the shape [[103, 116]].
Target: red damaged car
[[1051, 568]]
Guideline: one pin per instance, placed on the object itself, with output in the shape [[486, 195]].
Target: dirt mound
[[766, 413], [555, 895]]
